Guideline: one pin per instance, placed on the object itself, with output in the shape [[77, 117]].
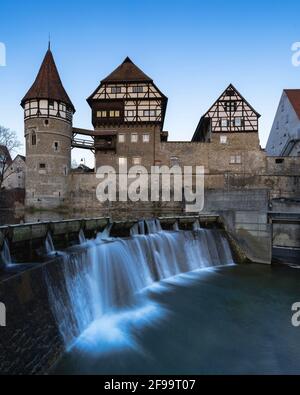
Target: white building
[[284, 139], [14, 176]]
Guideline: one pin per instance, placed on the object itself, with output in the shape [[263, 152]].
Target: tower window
[[101, 114], [121, 138], [116, 89], [138, 89], [51, 104], [134, 137], [55, 146], [146, 138], [42, 165], [33, 138]]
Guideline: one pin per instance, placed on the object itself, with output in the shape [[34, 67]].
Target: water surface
[[225, 320]]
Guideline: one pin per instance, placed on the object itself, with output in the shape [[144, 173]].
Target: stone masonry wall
[[30, 343]]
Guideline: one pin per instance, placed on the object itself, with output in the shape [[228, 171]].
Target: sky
[[192, 49]]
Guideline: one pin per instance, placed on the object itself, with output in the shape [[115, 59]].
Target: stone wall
[[30, 343]]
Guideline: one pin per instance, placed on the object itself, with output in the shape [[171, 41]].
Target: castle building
[[284, 139], [127, 113]]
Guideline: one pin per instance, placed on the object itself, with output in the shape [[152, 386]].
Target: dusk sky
[[191, 49]]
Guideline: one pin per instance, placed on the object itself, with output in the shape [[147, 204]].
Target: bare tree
[[9, 142]]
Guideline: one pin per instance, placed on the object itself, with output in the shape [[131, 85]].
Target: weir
[[107, 275]]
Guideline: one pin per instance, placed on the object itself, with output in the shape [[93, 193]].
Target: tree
[[9, 142]]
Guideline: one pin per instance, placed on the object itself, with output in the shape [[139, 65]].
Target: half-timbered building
[[231, 113]]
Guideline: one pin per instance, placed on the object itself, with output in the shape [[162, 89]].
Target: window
[[138, 89], [136, 161], [235, 159], [174, 161], [149, 113], [134, 138], [33, 138], [230, 106], [55, 146], [287, 119], [224, 123], [65, 171], [116, 89], [122, 161], [277, 125], [223, 139], [279, 161], [114, 113], [121, 138], [51, 104], [146, 138], [42, 166], [238, 122], [130, 113], [101, 114]]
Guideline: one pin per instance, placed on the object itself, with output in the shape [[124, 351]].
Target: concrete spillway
[[107, 274]]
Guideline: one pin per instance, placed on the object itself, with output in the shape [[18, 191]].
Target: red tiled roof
[[47, 84], [294, 98]]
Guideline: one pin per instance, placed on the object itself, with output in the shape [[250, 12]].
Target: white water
[[49, 246], [5, 255], [108, 275], [81, 236]]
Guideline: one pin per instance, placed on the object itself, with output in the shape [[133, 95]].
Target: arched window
[[33, 138]]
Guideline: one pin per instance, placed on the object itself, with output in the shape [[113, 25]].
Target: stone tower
[[48, 113]]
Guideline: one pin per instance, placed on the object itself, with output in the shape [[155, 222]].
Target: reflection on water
[[226, 320]]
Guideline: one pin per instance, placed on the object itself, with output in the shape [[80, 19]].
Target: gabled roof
[[4, 151], [47, 84], [127, 72], [232, 87], [294, 98]]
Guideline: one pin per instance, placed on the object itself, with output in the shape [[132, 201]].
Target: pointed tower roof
[[294, 98], [47, 84], [127, 72]]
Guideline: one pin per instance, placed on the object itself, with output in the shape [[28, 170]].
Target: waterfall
[[49, 246], [153, 226], [5, 255], [106, 275], [196, 225], [81, 236]]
